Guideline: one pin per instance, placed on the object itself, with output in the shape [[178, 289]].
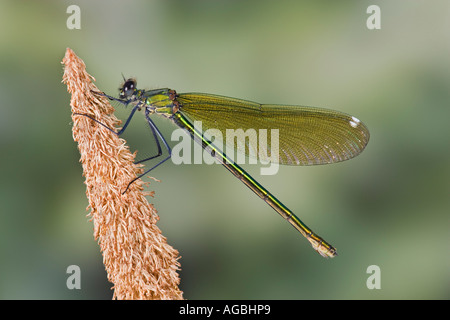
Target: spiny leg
[[156, 134], [153, 127]]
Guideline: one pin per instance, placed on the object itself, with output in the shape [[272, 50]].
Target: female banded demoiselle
[[306, 135]]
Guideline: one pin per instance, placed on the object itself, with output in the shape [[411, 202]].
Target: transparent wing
[[306, 135]]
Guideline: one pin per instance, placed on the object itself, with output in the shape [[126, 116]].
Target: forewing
[[306, 135]]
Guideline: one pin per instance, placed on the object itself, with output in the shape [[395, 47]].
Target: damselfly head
[[128, 88]]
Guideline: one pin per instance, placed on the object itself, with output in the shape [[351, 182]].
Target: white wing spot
[[354, 122]]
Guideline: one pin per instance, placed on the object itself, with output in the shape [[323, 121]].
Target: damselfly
[[306, 135]]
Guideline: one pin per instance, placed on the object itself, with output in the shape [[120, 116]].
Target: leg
[[152, 127], [88, 116], [126, 122], [157, 134], [124, 102]]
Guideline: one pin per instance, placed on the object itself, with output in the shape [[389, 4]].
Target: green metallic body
[[307, 136]]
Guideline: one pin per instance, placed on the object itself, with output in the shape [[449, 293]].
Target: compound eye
[[128, 88]]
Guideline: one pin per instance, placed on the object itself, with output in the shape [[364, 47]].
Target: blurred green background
[[388, 207]]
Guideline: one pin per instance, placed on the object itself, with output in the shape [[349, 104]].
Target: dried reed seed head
[[137, 258]]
